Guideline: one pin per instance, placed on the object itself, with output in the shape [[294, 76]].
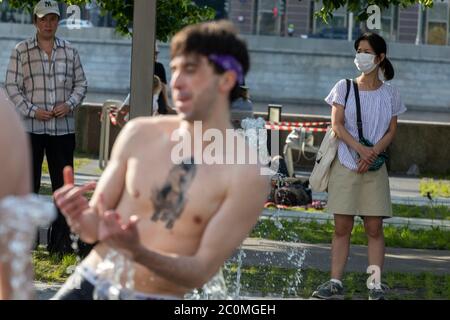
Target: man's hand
[[118, 235], [43, 115], [61, 110], [71, 200], [121, 114]]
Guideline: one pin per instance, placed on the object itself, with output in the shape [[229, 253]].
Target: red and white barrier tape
[[290, 128], [298, 124], [270, 125]]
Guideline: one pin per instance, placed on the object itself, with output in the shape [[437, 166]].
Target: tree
[[359, 8], [172, 15]]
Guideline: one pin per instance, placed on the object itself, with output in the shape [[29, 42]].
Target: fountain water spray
[[20, 218]]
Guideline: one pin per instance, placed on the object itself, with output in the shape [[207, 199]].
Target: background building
[[296, 58], [273, 17]]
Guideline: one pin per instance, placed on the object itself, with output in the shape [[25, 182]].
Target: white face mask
[[365, 62]]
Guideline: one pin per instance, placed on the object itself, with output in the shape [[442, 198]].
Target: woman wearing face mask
[[359, 184]]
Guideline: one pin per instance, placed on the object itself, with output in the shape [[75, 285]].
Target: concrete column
[[350, 26], [142, 58]]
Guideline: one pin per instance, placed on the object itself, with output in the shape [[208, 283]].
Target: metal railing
[[103, 155]]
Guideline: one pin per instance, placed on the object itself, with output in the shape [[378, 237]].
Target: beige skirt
[[356, 194]]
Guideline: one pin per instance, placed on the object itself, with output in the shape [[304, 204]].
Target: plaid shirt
[[35, 82]]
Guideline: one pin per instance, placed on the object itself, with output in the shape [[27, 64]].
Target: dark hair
[[379, 46], [243, 93], [218, 37]]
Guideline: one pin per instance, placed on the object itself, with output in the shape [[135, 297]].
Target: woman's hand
[[367, 154], [362, 167]]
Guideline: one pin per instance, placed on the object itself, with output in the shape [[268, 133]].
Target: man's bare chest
[[174, 192]]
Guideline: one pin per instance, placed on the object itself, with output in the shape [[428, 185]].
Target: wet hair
[[379, 46], [217, 37]]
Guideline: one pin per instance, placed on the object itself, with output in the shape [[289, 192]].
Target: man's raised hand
[[70, 199]]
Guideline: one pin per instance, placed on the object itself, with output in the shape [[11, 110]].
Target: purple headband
[[228, 63]]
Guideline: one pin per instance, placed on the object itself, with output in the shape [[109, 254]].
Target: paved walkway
[[279, 253], [44, 291]]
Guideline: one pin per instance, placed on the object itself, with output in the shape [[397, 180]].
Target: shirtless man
[[15, 170], [177, 222]]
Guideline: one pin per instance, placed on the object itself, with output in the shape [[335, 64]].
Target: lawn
[[290, 283], [280, 282], [313, 232], [52, 268], [425, 212]]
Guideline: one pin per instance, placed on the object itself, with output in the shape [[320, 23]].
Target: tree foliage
[[172, 15]]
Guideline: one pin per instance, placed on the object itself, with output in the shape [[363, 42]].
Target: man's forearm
[[80, 84], [184, 270], [77, 96], [26, 108], [14, 86]]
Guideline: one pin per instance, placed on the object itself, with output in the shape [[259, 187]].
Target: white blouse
[[377, 109]]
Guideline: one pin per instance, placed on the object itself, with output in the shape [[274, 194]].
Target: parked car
[[75, 24]]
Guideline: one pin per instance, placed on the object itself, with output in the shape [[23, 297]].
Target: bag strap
[[358, 110], [348, 91]]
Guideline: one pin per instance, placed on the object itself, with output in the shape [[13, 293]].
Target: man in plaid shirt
[[46, 82]]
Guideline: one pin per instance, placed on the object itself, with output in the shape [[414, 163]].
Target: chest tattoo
[[170, 200]]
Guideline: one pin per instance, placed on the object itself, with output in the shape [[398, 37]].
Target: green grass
[[440, 188], [282, 282], [313, 232], [264, 281], [401, 210], [51, 268], [424, 212]]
